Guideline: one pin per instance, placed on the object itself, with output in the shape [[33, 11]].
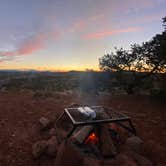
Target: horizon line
[[45, 70]]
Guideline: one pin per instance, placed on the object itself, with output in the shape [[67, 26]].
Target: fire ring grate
[[102, 115]]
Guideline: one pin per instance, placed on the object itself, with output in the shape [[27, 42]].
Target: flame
[[92, 139]]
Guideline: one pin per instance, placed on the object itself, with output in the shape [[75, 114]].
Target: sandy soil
[[19, 113]]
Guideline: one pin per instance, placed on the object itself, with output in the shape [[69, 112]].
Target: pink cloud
[[78, 25], [81, 24], [4, 58], [7, 53], [30, 45], [56, 34], [99, 35], [97, 17]]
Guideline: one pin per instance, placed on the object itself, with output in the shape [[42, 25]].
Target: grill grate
[[103, 115]]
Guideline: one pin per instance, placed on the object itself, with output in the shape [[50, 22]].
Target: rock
[[52, 146], [39, 148], [52, 132], [141, 160], [44, 123], [61, 134], [89, 161], [120, 160], [138, 158], [122, 134], [135, 143], [106, 143], [68, 154]]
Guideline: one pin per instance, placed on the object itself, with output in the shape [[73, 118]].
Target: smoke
[[88, 88]]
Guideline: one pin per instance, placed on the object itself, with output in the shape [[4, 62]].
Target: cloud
[[38, 41], [147, 18], [4, 58], [133, 4], [99, 35], [34, 44], [29, 45], [82, 24], [78, 26], [97, 17]]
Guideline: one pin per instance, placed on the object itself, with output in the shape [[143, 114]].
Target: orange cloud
[[99, 35]]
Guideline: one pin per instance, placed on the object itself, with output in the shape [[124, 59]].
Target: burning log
[[107, 146], [92, 139], [82, 134]]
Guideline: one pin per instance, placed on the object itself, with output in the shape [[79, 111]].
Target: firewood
[[82, 134], [107, 146]]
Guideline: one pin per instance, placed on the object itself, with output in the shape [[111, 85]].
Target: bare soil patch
[[19, 113]]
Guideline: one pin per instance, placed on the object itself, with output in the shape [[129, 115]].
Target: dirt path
[[20, 112]]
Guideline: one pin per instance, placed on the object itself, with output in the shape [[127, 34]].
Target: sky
[[62, 35]]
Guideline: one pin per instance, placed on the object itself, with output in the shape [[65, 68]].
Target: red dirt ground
[[20, 112]]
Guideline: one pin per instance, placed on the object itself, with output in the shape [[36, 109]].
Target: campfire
[[90, 136], [93, 129], [92, 139]]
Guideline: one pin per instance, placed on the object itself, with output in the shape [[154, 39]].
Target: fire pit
[[95, 116], [93, 129]]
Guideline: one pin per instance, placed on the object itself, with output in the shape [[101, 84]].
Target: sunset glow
[[72, 35]]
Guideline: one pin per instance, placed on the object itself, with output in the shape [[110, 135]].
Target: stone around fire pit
[[52, 132], [135, 143], [122, 160], [68, 154], [89, 161], [39, 148], [44, 123], [52, 146], [108, 148], [141, 160]]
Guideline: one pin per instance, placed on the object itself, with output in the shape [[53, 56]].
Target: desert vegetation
[[148, 58], [138, 70]]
